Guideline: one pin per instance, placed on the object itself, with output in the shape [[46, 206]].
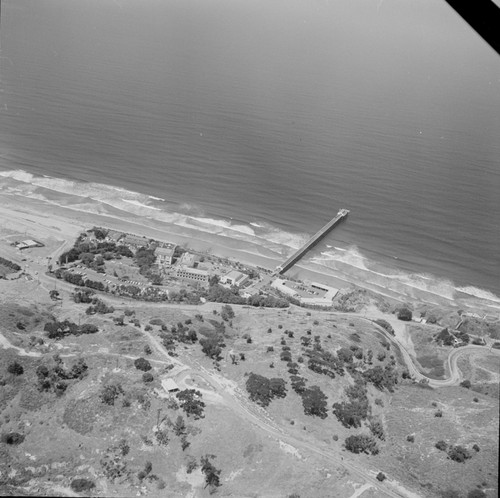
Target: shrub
[[466, 383], [439, 413], [80, 485], [458, 453], [381, 476], [377, 429], [212, 475], [385, 325], [441, 445], [110, 393], [410, 438], [142, 364], [476, 493], [361, 443], [12, 438], [147, 377], [476, 447], [15, 368], [404, 314]]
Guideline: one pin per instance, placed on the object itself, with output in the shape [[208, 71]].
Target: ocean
[[258, 120]]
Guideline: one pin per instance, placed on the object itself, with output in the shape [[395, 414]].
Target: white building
[[234, 277], [165, 254], [169, 385]]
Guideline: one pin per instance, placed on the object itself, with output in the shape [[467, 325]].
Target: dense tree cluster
[[351, 413], [298, 384], [361, 443], [314, 402], [385, 325], [212, 346], [55, 375], [85, 296], [102, 248], [15, 368], [9, 264], [324, 362], [382, 377], [58, 330], [458, 453], [404, 314], [145, 258], [110, 392], [100, 307], [142, 364], [263, 390], [81, 485]]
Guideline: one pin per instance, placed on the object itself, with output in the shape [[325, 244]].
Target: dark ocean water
[[262, 118]]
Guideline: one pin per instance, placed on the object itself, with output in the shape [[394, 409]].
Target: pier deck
[[297, 255]]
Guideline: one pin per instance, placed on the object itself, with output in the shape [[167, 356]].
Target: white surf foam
[[479, 293], [140, 204]]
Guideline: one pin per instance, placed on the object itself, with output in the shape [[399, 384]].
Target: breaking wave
[[348, 262]]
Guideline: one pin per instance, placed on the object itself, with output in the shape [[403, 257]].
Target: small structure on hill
[[170, 385], [27, 244]]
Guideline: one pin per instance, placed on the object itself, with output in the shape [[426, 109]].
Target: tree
[[190, 401], [212, 475], [81, 485], [147, 377], [405, 314], [441, 445], [109, 393], [458, 453], [227, 313], [211, 347], [142, 364], [15, 368], [314, 402]]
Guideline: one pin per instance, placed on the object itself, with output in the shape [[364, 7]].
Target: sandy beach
[[57, 226]]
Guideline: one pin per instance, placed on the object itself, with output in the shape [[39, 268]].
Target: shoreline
[[64, 223]]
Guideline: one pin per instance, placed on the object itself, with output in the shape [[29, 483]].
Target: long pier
[[297, 255]]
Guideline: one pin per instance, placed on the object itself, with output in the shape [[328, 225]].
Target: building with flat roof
[[169, 385], [134, 241], [188, 260], [192, 274], [314, 294], [165, 254], [234, 277]]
